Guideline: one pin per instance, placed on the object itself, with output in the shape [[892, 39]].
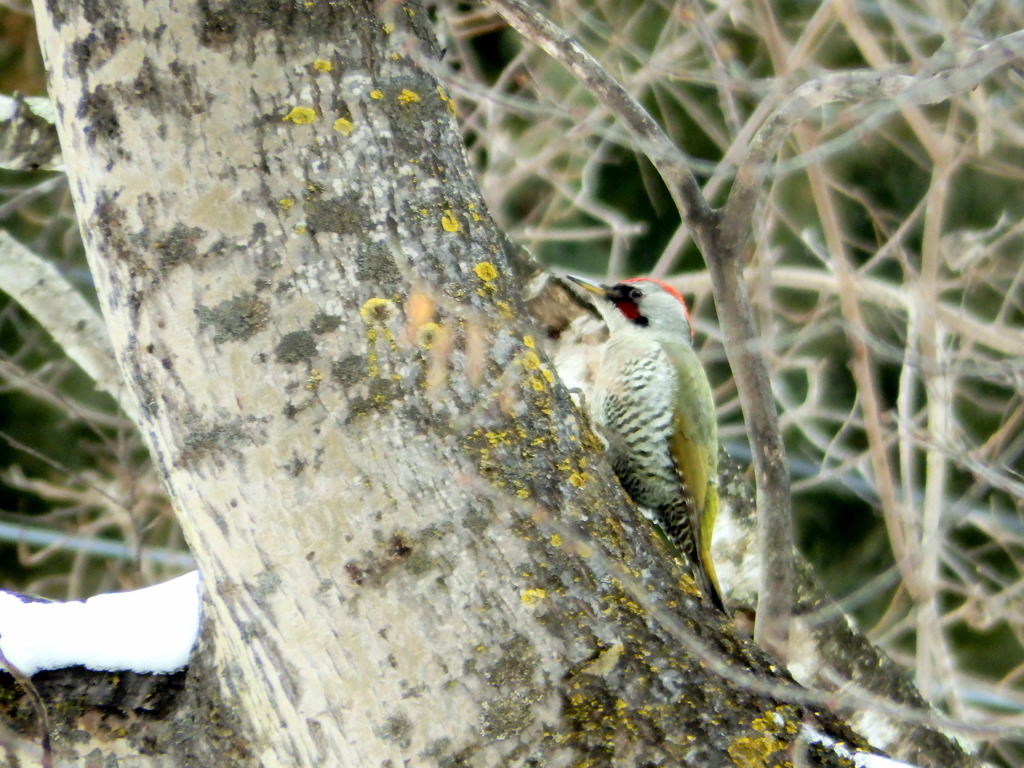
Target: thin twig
[[37, 704], [650, 138], [861, 87]]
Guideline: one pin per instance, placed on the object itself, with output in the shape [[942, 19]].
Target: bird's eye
[[635, 294]]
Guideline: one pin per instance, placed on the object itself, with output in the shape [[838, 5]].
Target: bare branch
[[43, 292], [651, 139], [721, 247]]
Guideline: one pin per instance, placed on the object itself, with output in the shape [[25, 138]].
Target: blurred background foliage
[[885, 268]]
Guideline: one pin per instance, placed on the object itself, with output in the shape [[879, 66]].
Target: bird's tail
[[710, 586], [691, 534], [706, 578]]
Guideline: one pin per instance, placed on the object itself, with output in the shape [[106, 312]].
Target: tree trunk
[[411, 552]]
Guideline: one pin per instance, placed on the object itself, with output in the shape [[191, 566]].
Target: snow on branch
[[147, 630]]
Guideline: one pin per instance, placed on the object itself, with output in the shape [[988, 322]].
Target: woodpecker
[[653, 405]]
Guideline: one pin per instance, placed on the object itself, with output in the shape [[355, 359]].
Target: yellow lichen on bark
[[449, 223], [446, 99], [301, 115], [485, 271], [376, 310], [531, 597], [754, 751]]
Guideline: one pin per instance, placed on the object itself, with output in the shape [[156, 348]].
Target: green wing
[[695, 449]]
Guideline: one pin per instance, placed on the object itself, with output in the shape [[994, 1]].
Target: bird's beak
[[600, 290]]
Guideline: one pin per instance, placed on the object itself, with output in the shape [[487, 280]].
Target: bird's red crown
[[668, 289]]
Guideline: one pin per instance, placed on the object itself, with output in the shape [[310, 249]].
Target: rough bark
[[410, 552], [158, 721]]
